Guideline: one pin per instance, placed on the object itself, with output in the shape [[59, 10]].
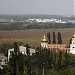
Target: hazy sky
[[56, 7]]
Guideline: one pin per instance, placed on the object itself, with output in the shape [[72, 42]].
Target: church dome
[[44, 39], [73, 36]]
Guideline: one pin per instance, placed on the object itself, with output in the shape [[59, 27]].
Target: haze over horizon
[[50, 7]]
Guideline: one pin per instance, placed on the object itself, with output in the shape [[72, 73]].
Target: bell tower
[[44, 42], [72, 45]]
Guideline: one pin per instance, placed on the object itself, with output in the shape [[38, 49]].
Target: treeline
[[55, 40], [43, 62], [23, 26], [11, 26], [50, 25]]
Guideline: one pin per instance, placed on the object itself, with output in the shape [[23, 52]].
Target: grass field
[[33, 36]]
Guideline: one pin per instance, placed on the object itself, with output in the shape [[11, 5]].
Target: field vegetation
[[33, 36]]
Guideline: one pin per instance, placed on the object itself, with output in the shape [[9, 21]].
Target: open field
[[33, 36]]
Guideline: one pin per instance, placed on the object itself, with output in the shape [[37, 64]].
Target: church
[[44, 44], [57, 47], [70, 48]]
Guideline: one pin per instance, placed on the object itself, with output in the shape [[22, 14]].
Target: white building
[[45, 20], [3, 59], [22, 50], [72, 45], [44, 42]]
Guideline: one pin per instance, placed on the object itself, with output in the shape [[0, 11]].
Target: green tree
[[54, 60], [28, 60], [66, 59], [49, 38], [27, 50], [60, 61], [54, 38], [70, 41], [59, 38], [16, 61]]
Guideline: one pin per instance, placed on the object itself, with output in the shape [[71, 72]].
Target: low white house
[[72, 45], [22, 50], [3, 59]]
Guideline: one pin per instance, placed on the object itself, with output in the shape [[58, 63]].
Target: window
[[72, 47], [73, 42], [11, 52]]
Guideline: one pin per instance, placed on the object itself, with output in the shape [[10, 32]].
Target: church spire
[[44, 42], [44, 36]]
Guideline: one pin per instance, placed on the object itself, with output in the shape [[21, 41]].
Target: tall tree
[[54, 38], [59, 38], [49, 37], [54, 60], [70, 41], [16, 48], [13, 60], [28, 61], [59, 60], [27, 50], [16, 62], [66, 59]]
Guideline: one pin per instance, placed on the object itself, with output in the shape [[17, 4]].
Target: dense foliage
[[44, 61]]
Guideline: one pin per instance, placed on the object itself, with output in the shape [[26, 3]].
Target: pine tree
[[12, 65], [54, 61], [16, 62], [70, 41], [27, 50], [59, 60], [66, 60], [28, 61], [59, 38], [54, 38], [49, 37]]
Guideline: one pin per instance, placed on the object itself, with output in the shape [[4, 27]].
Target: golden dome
[[44, 39], [73, 36]]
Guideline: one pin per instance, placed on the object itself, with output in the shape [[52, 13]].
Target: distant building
[[46, 20], [72, 45], [71, 21], [22, 50]]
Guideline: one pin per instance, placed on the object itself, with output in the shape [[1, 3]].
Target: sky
[[50, 7]]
